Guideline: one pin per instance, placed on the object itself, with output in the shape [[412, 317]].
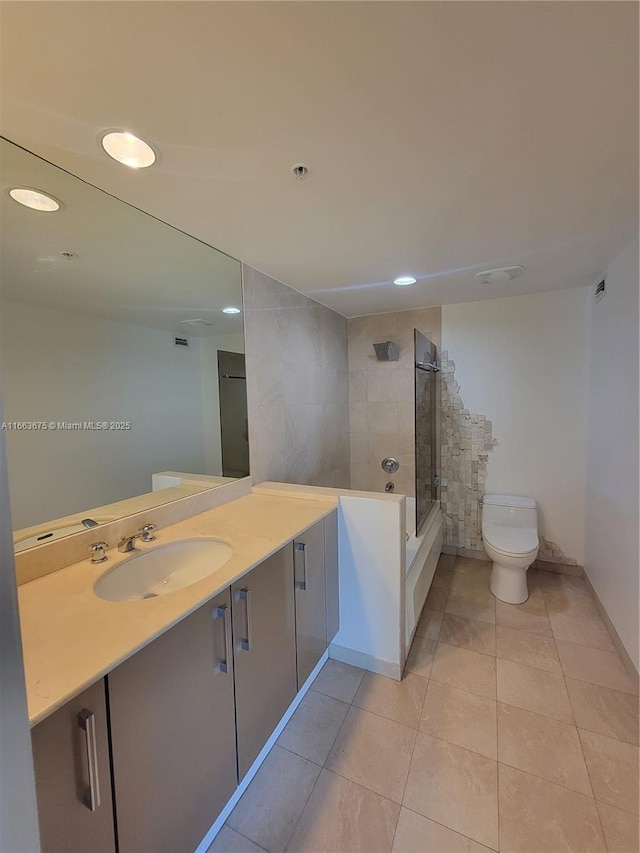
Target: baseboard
[[472, 553], [365, 661], [220, 821], [617, 642], [559, 568]]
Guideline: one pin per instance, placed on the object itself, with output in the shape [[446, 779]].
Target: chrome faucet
[[98, 552], [145, 534]]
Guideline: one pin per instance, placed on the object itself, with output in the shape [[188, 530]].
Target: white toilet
[[510, 538]]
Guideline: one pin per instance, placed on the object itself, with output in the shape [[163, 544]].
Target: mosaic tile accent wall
[[465, 440]]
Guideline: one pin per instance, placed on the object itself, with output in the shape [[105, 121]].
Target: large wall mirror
[[118, 361]]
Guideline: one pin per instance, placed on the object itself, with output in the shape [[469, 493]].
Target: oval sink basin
[[163, 569]]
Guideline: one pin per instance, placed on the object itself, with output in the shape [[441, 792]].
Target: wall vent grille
[[601, 289], [181, 342]]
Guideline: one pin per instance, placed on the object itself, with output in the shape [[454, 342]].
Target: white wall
[[611, 559], [60, 366], [522, 362], [372, 584]]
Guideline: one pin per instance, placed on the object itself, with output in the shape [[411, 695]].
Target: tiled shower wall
[[297, 385], [381, 407]]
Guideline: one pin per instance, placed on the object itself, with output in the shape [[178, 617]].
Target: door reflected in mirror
[[123, 379]]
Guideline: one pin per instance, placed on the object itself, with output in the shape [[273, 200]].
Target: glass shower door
[[425, 425]]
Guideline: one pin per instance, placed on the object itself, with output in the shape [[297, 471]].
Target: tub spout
[[389, 487]]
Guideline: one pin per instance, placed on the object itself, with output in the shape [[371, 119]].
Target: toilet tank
[[509, 511]]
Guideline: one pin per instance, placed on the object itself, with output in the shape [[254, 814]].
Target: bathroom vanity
[[155, 747]]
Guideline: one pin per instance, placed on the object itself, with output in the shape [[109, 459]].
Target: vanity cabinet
[[311, 608], [189, 713], [315, 559], [331, 575], [264, 645], [173, 733], [73, 776]]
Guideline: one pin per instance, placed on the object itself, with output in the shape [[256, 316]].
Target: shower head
[[387, 351]]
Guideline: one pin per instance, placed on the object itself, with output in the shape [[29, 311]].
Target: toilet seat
[[511, 541]]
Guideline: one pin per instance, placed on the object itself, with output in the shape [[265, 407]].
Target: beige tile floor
[[515, 729]]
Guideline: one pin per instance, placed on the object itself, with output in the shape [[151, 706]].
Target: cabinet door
[[311, 623], [73, 776], [264, 652], [173, 734], [331, 573]]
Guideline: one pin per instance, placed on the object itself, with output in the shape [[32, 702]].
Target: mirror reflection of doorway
[[234, 424]]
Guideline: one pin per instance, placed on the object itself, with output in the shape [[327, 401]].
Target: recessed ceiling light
[[404, 280], [231, 310], [499, 275], [128, 149], [35, 199]]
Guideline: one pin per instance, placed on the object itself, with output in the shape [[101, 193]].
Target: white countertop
[[71, 638]]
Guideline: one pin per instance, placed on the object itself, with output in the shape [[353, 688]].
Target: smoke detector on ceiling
[[499, 275], [300, 171]]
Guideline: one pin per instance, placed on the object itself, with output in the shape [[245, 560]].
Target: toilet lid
[[511, 540]]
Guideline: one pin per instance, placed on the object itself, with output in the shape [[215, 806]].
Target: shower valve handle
[[390, 465]]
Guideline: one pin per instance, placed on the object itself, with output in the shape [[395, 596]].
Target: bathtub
[[422, 556]]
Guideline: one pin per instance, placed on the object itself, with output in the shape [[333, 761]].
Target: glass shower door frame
[[425, 413]]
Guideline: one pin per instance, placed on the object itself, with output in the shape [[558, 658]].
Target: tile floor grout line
[[444, 825], [406, 781], [246, 837], [593, 731], [302, 810], [459, 745], [551, 782], [391, 719], [364, 787], [323, 765], [573, 716], [453, 646], [481, 695]]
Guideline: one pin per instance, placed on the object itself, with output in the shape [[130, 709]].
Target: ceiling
[[443, 138], [127, 266]]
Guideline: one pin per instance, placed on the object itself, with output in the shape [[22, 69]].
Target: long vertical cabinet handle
[[222, 663], [300, 555], [245, 643], [87, 722]]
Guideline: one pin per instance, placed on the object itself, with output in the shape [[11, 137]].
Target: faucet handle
[[98, 552], [147, 532]]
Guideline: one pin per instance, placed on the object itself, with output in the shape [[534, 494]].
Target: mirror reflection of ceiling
[[443, 138], [125, 265]]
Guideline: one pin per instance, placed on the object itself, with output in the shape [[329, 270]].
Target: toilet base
[[509, 584]]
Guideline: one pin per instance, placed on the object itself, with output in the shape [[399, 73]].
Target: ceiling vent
[[500, 275], [600, 290], [197, 321]]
